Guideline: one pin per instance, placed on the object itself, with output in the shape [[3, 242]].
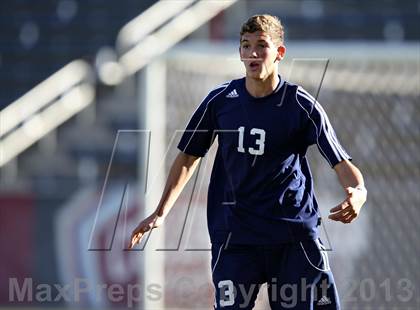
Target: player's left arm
[[352, 181]]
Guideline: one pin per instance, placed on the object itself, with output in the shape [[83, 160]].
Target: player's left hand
[[347, 211]]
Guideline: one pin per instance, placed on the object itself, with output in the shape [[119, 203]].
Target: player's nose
[[254, 54]]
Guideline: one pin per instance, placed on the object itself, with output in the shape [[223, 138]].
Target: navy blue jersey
[[261, 189]]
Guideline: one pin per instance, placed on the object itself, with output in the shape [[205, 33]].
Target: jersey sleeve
[[199, 134], [319, 131]]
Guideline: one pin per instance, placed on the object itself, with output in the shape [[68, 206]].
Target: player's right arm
[[182, 168], [194, 144]]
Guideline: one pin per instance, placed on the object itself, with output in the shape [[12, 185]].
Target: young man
[[262, 211]]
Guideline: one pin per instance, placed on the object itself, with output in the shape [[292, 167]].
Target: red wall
[[17, 240]]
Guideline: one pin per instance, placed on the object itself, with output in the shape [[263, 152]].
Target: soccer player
[[262, 212]]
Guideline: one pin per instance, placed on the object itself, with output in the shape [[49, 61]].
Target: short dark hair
[[266, 23]]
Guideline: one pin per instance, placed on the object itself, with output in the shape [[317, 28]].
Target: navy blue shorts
[[298, 276]]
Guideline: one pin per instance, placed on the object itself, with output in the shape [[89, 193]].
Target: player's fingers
[[132, 243], [139, 230], [336, 217], [351, 216], [138, 233], [345, 219], [135, 239], [132, 238], [348, 219], [340, 214], [340, 207]]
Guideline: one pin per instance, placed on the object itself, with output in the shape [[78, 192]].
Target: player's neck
[[261, 88]]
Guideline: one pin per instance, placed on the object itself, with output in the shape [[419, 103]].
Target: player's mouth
[[254, 65]]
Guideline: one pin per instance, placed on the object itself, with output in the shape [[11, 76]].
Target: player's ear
[[281, 51]]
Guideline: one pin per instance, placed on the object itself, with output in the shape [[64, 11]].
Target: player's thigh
[[300, 278], [236, 277]]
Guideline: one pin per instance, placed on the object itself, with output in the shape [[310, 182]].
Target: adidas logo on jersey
[[324, 301], [232, 94]]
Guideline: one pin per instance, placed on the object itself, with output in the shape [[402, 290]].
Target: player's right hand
[[147, 224]]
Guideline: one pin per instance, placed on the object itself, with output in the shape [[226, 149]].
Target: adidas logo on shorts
[[232, 94], [324, 301]]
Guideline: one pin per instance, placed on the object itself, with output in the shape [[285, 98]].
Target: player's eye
[[245, 46], [262, 45]]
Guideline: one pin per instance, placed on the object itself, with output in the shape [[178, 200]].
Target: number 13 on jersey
[[259, 141]]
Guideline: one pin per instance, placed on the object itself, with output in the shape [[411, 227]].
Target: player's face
[[260, 54]]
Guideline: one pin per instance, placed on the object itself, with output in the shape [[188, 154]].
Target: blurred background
[[94, 95]]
